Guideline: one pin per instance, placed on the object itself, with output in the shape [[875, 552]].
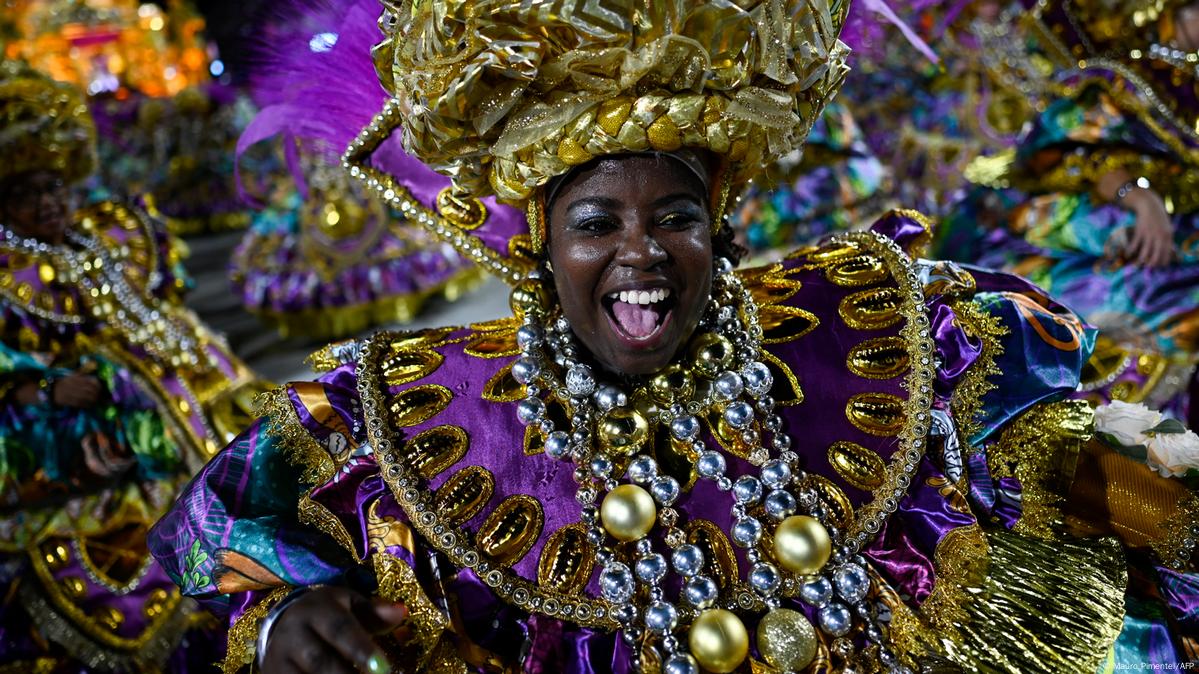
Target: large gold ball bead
[[786, 639], [628, 512], [711, 354], [718, 640], [530, 296], [672, 384], [802, 544], [623, 431]]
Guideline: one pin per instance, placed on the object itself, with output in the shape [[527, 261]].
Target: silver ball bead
[[616, 583], [776, 474], [835, 619], [765, 578], [610, 397], [747, 489], [722, 265], [557, 445], [528, 336], [817, 592], [852, 582], [747, 532], [728, 386], [780, 504], [651, 568], [661, 617], [685, 428], [701, 592], [680, 663], [757, 378], [739, 415], [688, 560], [525, 370], [601, 465], [643, 470], [530, 411], [710, 464], [665, 489]]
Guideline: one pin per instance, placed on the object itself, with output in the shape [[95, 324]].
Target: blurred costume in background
[[167, 124], [927, 120], [324, 259], [834, 184], [111, 395], [1120, 101], [461, 470]]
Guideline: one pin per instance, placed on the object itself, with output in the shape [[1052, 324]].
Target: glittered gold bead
[[572, 153], [802, 544], [718, 641], [628, 512], [711, 354], [529, 297], [786, 640], [623, 431], [612, 115], [664, 135], [672, 384]]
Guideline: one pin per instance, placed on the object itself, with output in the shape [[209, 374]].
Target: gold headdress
[[503, 95], [44, 125]]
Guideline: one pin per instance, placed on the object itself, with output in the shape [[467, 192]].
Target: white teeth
[[640, 296]]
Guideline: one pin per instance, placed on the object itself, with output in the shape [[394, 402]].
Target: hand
[[76, 390], [1151, 244], [330, 630]]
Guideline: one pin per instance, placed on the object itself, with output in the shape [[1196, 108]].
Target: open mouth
[[640, 315]]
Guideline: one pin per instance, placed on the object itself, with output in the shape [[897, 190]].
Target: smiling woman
[[850, 460], [630, 239]]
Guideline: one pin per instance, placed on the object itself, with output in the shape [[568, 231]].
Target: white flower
[[1173, 453], [1126, 422]]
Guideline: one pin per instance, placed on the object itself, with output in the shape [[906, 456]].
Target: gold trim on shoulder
[[503, 387]]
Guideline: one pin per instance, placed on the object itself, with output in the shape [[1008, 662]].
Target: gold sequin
[[503, 387], [73, 587], [419, 404], [434, 450], [876, 413], [872, 309], [862, 270], [784, 324], [786, 390], [566, 560], [408, 365], [881, 358], [110, 617], [493, 345], [464, 494], [511, 529], [840, 509], [863, 468]]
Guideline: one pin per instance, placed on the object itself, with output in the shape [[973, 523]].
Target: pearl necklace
[[727, 377]]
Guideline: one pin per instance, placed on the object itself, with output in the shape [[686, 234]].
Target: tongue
[[637, 320]]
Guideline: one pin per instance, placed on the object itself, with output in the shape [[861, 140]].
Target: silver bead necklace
[[835, 584]]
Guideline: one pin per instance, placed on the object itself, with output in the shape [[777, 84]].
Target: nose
[[639, 249]]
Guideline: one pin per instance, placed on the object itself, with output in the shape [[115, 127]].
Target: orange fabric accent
[[1113, 494]]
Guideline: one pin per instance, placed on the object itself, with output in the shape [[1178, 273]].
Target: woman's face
[[631, 248]]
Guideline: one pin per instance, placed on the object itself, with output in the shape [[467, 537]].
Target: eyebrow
[[608, 202]]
